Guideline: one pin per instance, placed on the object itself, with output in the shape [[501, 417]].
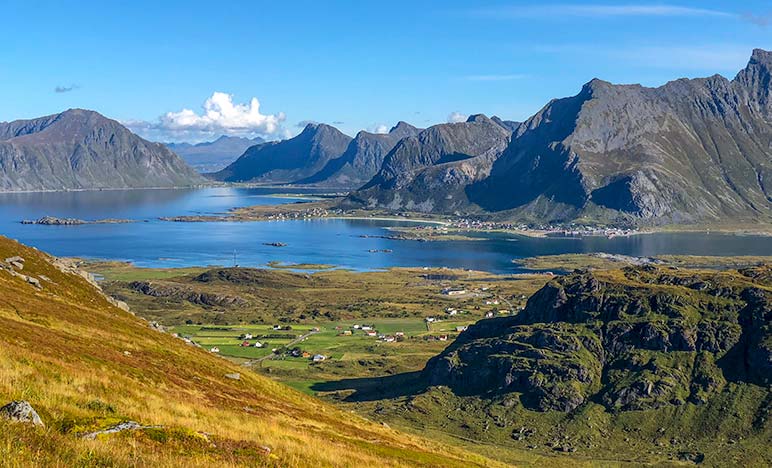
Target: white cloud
[[456, 117], [590, 10], [379, 128], [515, 76], [219, 116]]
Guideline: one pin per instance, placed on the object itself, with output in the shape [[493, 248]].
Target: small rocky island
[[54, 221]]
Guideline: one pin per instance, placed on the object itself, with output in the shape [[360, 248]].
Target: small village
[[282, 345], [565, 230]]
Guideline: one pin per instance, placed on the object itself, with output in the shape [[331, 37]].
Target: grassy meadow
[[85, 364]]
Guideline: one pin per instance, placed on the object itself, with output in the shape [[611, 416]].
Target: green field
[[347, 355]]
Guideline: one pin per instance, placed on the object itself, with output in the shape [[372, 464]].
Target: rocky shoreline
[[54, 221]]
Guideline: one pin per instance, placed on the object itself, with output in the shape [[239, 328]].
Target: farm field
[[345, 356]]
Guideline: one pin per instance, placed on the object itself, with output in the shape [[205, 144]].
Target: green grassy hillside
[[85, 364]]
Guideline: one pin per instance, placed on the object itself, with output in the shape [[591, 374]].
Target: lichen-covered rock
[[156, 289], [21, 411], [120, 427], [633, 339]]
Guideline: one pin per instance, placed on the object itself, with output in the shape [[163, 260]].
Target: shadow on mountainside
[[375, 388]]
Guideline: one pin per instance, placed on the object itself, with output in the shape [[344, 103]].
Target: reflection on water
[[339, 242]]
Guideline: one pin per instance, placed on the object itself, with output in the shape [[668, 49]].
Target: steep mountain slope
[[428, 172], [81, 149], [362, 159], [510, 125], [689, 151], [214, 155], [289, 160], [85, 364], [649, 365]]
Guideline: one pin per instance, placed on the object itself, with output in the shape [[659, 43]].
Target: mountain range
[[288, 160], [692, 150], [81, 149], [442, 159], [214, 155], [362, 159], [320, 155]]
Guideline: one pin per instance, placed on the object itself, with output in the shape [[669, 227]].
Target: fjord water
[[154, 243]]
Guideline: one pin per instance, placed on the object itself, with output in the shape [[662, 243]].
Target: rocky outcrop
[[639, 338], [120, 427], [54, 221], [176, 292], [289, 160], [21, 411], [81, 149]]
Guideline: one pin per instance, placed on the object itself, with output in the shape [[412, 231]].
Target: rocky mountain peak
[[84, 149], [479, 118], [761, 56], [756, 78], [403, 128]]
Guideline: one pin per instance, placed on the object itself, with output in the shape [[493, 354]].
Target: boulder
[[21, 411], [124, 426]]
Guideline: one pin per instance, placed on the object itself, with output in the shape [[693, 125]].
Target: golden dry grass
[[85, 364]]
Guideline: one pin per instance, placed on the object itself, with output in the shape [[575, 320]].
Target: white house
[[214, 349], [258, 344], [319, 357]]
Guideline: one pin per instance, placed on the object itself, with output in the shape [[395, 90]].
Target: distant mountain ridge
[[443, 159], [288, 160], [690, 151], [214, 155], [362, 159], [81, 149]]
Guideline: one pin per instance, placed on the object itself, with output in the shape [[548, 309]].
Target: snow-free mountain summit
[[82, 149]]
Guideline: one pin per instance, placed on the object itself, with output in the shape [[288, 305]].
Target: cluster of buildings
[[369, 330], [571, 229], [315, 212]]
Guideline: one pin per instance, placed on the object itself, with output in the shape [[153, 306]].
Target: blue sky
[[360, 65]]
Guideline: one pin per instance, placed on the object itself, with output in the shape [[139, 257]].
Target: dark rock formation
[[640, 338], [186, 294], [54, 221]]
